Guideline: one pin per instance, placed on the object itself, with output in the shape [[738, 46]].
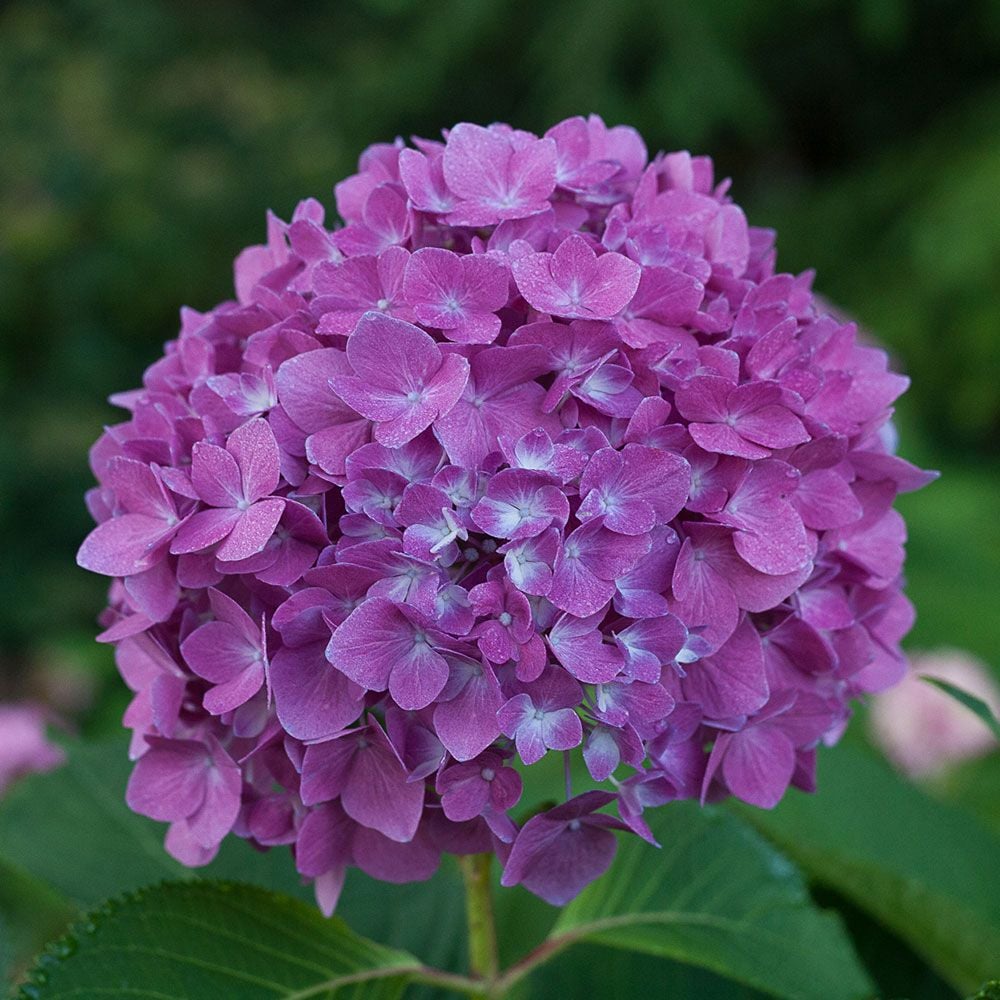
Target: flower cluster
[[535, 452]]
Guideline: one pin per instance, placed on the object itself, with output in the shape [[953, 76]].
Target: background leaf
[[614, 974], [30, 914], [203, 941], [925, 869], [719, 897]]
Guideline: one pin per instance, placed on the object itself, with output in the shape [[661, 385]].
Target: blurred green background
[[141, 141]]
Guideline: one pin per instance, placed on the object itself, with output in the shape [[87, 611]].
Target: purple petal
[[561, 730], [168, 781], [123, 545], [252, 530], [235, 692], [467, 724], [218, 651], [215, 475], [206, 528], [555, 856], [758, 765], [732, 681], [579, 646], [379, 648], [312, 698], [377, 794], [256, 452]]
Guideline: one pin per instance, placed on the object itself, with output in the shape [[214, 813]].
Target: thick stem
[[483, 961]]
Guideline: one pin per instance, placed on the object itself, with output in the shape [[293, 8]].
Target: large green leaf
[[71, 828], [719, 897], [927, 870], [206, 940]]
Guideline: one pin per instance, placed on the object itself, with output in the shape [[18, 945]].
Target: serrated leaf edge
[[61, 949]]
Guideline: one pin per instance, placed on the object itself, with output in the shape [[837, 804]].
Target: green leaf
[[64, 826], [401, 914], [30, 914], [924, 869], [970, 701], [897, 970], [206, 940], [719, 897], [613, 972], [975, 785]]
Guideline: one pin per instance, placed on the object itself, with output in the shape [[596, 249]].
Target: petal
[[467, 724], [312, 698], [732, 681], [204, 529], [236, 692], [377, 793], [758, 765], [252, 530], [389, 354], [256, 452], [215, 475], [123, 545], [218, 652], [168, 781], [418, 677]]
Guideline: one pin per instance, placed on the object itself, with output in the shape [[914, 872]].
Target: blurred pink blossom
[[24, 747], [923, 730]]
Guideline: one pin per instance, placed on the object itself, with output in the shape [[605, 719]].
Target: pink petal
[[205, 529], [252, 530], [215, 475], [122, 545]]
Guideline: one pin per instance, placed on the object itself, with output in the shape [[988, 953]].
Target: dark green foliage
[[925, 870], [718, 897]]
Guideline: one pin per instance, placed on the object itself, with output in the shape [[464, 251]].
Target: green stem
[[483, 961]]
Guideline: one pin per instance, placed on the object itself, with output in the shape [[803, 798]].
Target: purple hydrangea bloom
[[535, 452]]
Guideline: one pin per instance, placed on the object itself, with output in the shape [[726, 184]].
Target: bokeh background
[[142, 140]]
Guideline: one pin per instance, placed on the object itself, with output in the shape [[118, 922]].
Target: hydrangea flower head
[[533, 456]]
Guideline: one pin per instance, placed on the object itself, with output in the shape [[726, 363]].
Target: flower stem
[[483, 961]]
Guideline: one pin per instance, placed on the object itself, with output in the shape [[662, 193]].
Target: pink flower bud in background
[[923, 730], [24, 747]]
